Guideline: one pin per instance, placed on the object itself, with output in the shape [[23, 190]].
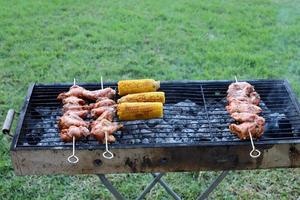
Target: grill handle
[[8, 122]]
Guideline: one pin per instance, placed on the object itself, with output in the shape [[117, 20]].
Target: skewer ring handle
[[73, 159], [108, 155], [255, 153]]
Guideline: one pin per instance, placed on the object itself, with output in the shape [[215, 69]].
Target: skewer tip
[[101, 83], [235, 79]]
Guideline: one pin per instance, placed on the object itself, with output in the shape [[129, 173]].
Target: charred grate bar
[[194, 118]]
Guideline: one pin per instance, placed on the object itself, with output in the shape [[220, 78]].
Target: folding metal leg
[[157, 179], [110, 187], [213, 186], [167, 188], [150, 186]]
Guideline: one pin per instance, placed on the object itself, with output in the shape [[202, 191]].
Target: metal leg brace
[[157, 179]]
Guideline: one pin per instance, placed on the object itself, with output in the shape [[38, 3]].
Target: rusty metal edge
[[21, 117], [290, 151]]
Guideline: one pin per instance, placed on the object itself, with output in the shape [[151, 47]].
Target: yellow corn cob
[[137, 86], [136, 111], [144, 97]]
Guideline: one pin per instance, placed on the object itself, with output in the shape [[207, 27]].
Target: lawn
[[56, 41]]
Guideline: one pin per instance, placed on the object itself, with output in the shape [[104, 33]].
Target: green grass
[[166, 40]]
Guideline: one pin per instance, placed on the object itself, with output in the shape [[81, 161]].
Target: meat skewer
[[255, 153], [106, 154], [73, 158], [73, 126], [243, 101]]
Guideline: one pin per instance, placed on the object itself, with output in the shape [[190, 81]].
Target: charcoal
[[143, 126], [146, 132], [183, 122], [153, 122], [188, 132], [171, 140], [193, 125], [186, 107], [145, 141]]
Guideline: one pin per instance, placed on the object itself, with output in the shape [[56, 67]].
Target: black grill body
[[192, 136]]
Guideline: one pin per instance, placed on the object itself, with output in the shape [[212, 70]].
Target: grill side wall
[[171, 159]]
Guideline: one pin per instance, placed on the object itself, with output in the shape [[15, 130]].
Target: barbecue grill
[[192, 136]]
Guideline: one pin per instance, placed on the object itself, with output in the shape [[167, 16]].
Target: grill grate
[[194, 113]]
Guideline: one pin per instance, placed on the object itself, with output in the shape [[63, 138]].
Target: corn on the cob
[[144, 97], [136, 111], [137, 86]]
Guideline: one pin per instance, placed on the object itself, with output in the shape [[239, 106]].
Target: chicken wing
[[96, 112], [67, 135], [99, 129], [240, 106], [80, 92], [253, 98], [103, 102], [73, 100], [240, 88], [71, 119], [242, 130], [81, 113], [248, 117]]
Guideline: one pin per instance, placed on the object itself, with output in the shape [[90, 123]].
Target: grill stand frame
[[157, 178]]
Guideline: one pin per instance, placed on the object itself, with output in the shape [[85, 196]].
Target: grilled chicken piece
[[66, 135], [96, 94], [241, 107], [242, 130], [81, 113], [80, 92], [100, 127], [73, 100], [253, 98], [75, 107], [248, 117], [71, 119], [239, 88], [96, 112], [75, 91], [105, 115], [103, 102], [242, 91]]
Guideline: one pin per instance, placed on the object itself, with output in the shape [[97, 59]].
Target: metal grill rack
[[192, 136], [207, 98]]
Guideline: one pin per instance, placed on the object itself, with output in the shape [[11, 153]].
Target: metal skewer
[[73, 158], [254, 153], [106, 154]]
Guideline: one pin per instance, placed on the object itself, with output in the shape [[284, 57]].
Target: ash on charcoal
[[193, 125], [153, 122], [186, 107], [164, 127], [183, 122]]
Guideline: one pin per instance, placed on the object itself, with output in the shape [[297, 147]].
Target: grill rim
[[261, 144], [258, 144], [22, 116]]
